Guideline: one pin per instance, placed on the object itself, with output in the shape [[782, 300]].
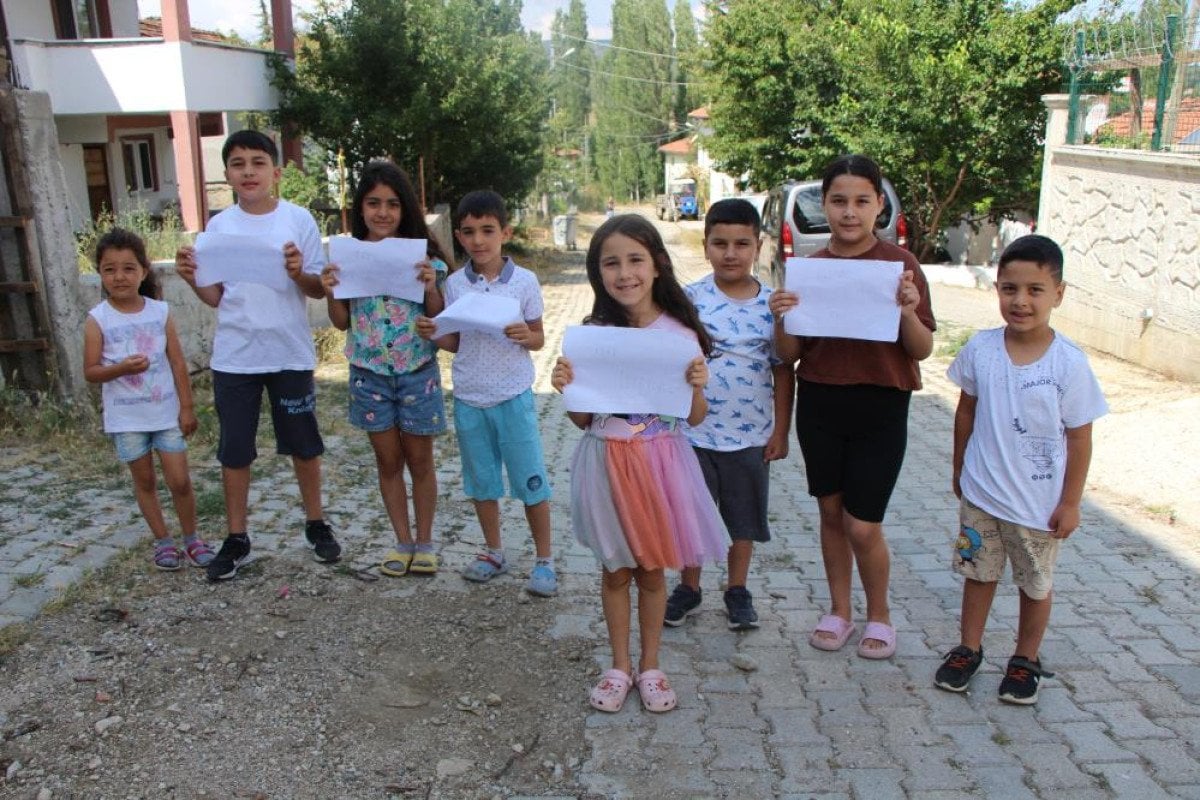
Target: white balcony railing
[[129, 76]]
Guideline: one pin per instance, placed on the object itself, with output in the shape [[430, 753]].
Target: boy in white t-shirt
[[263, 341], [1022, 446]]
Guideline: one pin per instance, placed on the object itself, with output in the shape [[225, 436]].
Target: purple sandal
[[198, 552], [167, 557], [831, 623]]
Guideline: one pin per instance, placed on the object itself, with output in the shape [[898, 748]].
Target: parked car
[[794, 224], [680, 202]]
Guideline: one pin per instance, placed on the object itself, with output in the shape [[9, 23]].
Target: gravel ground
[[299, 680]]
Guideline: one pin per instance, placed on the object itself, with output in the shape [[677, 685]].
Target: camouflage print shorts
[[985, 543]]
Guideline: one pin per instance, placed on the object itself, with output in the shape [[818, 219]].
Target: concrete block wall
[[1127, 222]]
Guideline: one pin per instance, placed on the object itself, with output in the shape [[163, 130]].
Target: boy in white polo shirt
[[263, 341], [494, 416]]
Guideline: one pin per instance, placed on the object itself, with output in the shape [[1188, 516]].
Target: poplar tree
[[634, 98]]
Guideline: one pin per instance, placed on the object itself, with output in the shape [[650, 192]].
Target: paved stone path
[[1121, 719]]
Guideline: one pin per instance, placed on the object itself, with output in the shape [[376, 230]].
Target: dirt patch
[[296, 680]]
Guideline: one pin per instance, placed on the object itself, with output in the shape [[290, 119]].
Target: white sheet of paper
[[479, 311], [845, 298], [628, 371], [386, 267], [226, 257]]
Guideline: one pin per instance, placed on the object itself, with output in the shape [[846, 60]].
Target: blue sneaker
[[542, 581]]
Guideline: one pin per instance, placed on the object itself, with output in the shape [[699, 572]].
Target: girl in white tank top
[[131, 348]]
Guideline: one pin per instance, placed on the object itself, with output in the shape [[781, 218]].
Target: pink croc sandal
[[609, 694], [880, 632], [655, 689], [831, 623]]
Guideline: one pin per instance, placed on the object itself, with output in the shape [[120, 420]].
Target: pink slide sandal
[[831, 623], [880, 632]]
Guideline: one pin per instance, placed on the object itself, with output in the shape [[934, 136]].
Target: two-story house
[[133, 100]]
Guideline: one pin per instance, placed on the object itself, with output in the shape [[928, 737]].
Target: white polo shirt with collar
[[489, 369]]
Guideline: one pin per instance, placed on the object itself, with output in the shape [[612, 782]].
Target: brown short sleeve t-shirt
[[853, 361]]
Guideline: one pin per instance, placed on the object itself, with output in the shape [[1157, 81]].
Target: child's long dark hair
[[412, 217], [857, 165], [121, 239], [666, 291]]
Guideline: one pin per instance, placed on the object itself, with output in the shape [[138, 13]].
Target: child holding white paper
[[263, 341], [638, 498], [395, 384], [494, 415], [852, 401]]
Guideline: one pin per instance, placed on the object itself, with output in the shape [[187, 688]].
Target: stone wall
[[1129, 225]]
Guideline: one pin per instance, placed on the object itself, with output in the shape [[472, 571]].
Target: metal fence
[[1135, 81]]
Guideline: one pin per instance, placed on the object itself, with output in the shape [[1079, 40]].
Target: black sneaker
[[1021, 679], [320, 538], [739, 607], [683, 601], [956, 671], [233, 553]]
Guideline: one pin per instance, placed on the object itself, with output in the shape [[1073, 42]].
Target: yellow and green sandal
[[424, 563], [396, 564]]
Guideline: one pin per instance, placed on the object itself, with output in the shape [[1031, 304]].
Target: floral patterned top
[[383, 332]]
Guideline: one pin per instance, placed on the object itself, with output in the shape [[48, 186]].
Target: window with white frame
[[141, 171]]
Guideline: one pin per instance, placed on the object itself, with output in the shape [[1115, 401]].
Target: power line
[[612, 46], [654, 81]]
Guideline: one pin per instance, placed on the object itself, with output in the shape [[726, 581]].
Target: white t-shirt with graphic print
[[1015, 457], [145, 402]]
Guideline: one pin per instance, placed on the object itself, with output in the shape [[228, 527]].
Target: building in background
[[141, 106]]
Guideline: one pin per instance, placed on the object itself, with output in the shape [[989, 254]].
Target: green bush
[[163, 234]]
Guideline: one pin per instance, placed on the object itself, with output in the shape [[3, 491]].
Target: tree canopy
[[457, 83], [944, 94]]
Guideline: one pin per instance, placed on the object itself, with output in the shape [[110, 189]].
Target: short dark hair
[[1041, 250], [732, 211], [481, 203], [249, 140], [857, 165]]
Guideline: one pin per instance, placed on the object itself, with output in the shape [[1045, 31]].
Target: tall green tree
[[571, 69], [687, 51], [945, 94], [633, 98], [455, 83]]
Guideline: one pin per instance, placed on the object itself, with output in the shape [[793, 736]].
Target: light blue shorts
[[504, 435], [133, 445], [411, 402]]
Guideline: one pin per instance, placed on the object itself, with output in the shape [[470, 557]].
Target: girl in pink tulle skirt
[[638, 498]]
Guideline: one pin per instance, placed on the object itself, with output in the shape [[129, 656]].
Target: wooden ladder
[[26, 350]]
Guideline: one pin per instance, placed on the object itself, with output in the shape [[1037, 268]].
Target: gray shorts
[[739, 481]]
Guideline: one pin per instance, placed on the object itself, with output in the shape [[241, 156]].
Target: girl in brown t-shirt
[[852, 410]]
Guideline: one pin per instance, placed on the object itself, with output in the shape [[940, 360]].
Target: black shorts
[[238, 399], [853, 440], [739, 481]]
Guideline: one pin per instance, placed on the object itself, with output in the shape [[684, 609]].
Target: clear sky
[[241, 15]]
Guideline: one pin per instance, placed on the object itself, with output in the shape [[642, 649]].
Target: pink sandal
[[609, 694], [880, 632], [831, 623], [655, 689]]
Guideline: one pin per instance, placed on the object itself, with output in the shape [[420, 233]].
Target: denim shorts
[[411, 402], [502, 436], [133, 445]]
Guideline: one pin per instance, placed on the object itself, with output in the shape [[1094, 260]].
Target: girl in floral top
[[395, 386]]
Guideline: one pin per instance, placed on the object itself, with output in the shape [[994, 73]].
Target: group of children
[[648, 492]]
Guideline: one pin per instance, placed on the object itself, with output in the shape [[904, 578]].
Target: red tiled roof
[[679, 147], [152, 27], [1189, 119]]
